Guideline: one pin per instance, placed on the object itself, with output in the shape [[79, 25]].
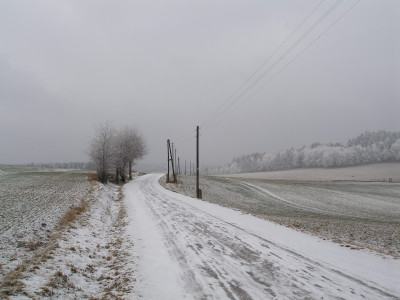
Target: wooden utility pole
[[168, 147], [198, 191], [172, 154], [185, 166], [176, 166], [171, 157]]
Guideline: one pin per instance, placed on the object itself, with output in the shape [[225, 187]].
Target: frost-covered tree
[[367, 148], [117, 150], [101, 150], [121, 148], [130, 145], [137, 147]]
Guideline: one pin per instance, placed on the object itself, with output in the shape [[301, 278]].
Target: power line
[[274, 64], [233, 102], [221, 110], [285, 66], [204, 123]]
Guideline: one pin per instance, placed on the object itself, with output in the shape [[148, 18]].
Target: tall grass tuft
[[92, 176]]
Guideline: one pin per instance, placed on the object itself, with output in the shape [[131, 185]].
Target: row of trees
[[117, 150], [367, 148], [64, 165]]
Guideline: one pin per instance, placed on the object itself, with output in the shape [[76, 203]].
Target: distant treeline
[[65, 165], [367, 148]]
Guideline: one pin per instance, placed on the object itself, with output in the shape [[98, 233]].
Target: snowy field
[[32, 201], [141, 241], [191, 249], [81, 252], [375, 172], [354, 214]]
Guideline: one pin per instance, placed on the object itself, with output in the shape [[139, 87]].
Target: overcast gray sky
[[167, 66]]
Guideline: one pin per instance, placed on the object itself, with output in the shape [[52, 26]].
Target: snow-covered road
[[191, 249]]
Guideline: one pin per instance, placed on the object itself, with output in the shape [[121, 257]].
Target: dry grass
[[12, 284], [75, 211], [120, 194], [57, 281], [92, 176], [33, 245]]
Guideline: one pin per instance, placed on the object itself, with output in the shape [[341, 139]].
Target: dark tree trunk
[[130, 170], [103, 177], [117, 175]]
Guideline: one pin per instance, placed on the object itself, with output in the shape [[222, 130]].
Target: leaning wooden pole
[[172, 164]]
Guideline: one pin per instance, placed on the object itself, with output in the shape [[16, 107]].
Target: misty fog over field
[[256, 76]]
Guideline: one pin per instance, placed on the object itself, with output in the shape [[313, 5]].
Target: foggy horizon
[[167, 67]]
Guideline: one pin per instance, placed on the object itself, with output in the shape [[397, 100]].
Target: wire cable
[[262, 65], [286, 65], [276, 62]]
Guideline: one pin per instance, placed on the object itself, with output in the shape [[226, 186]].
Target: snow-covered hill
[[376, 172]]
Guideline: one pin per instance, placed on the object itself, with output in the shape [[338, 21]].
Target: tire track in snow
[[301, 257], [188, 275], [295, 254], [203, 239], [220, 259], [263, 191], [210, 265]]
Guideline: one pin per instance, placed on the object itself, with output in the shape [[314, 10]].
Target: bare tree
[[101, 150], [137, 148], [118, 150], [122, 147]]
